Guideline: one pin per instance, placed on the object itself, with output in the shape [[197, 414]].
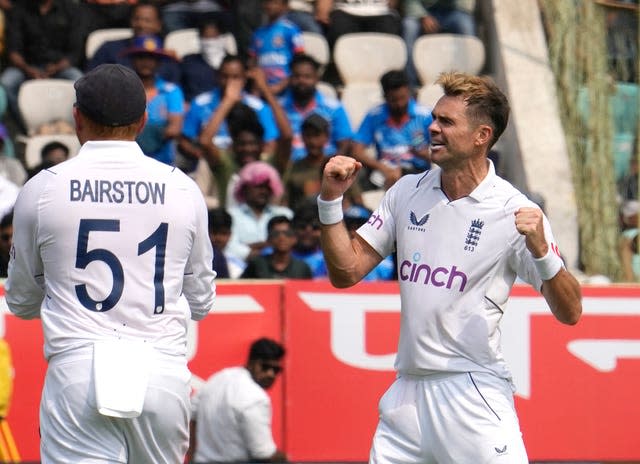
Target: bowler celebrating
[[462, 235]]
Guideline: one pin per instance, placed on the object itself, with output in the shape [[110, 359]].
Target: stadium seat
[[365, 57], [361, 59], [96, 38], [429, 94], [437, 53], [358, 98], [316, 45], [37, 142], [42, 101], [327, 89], [187, 41]]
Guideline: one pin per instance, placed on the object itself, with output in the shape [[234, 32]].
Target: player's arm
[[560, 289], [198, 282], [348, 260], [24, 288]]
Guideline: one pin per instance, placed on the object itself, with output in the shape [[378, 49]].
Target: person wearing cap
[[145, 19], [258, 184], [165, 101], [112, 253]]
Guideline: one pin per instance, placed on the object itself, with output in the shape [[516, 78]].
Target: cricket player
[[111, 251], [462, 236]]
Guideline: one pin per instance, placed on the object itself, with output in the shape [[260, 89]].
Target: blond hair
[[486, 104]]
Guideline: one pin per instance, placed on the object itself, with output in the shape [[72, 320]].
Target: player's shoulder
[[422, 110], [509, 196]]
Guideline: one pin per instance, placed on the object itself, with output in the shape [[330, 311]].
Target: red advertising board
[[576, 387]]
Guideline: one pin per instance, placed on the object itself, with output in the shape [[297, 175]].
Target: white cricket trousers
[[450, 418], [73, 431]]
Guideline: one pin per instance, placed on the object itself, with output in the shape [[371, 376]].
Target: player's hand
[[338, 175], [529, 223]]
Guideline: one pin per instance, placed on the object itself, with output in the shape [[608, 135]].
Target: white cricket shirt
[[233, 419], [105, 244], [457, 261]]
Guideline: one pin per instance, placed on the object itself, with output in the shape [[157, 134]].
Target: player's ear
[[484, 133]]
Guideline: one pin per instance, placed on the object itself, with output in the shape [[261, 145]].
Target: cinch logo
[[440, 276], [375, 220]]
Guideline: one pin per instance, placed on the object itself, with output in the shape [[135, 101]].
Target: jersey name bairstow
[[119, 191]]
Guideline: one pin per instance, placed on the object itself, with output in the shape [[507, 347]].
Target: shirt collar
[[482, 190]]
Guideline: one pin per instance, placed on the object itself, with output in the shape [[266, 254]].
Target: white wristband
[[330, 212], [548, 266]]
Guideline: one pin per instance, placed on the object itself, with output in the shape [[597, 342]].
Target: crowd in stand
[[253, 129]]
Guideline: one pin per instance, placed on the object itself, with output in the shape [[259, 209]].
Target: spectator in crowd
[[628, 245], [399, 128], [104, 14], [199, 71], [211, 109], [355, 216], [145, 20], [306, 225], [232, 411], [302, 98], [43, 42], [10, 167], [280, 262], [304, 177], [310, 15], [187, 14], [51, 154], [430, 17], [6, 238], [220, 232], [370, 16], [165, 101], [219, 259], [247, 136], [259, 183], [274, 45]]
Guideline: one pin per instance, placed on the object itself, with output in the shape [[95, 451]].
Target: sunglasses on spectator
[[271, 367], [278, 233]]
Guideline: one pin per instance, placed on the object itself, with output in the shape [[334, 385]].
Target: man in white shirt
[[232, 411], [111, 251], [462, 235]]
